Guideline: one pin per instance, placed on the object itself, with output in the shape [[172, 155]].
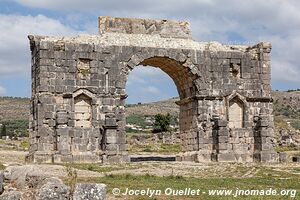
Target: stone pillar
[[205, 142], [221, 139], [264, 139], [115, 142]]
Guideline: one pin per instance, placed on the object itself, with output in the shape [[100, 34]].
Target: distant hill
[[14, 108], [151, 109], [286, 105]]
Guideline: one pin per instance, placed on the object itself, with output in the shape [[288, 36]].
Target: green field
[[264, 179]]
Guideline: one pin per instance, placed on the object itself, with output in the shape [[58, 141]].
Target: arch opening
[[180, 76], [147, 84]]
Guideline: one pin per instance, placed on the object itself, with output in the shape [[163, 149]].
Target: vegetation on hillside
[[295, 90], [284, 112], [137, 120], [162, 122], [14, 128]]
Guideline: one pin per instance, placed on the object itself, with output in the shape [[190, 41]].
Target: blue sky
[[234, 22]]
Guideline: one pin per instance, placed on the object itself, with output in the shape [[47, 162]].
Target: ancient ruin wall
[[78, 93]]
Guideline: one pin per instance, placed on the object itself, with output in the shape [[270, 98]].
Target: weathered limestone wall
[[163, 28], [78, 93]]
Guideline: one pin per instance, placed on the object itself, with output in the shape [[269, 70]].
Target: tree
[[3, 130], [162, 122]]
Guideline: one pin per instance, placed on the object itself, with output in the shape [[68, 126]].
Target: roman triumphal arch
[[78, 93]]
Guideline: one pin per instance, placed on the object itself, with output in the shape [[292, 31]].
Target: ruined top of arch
[[164, 28]]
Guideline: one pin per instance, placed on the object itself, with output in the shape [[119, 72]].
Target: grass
[[265, 177], [24, 145], [287, 148], [17, 145], [296, 124], [170, 148], [99, 168], [266, 180], [280, 123]]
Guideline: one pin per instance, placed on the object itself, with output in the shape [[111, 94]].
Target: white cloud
[[149, 84], [152, 90], [148, 71], [14, 44], [249, 21], [142, 75], [277, 21], [2, 91]]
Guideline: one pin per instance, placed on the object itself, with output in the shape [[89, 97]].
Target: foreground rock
[[26, 183], [53, 191], [1, 182], [11, 195], [89, 191]]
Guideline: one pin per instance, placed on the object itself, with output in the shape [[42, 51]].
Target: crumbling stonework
[[78, 93]]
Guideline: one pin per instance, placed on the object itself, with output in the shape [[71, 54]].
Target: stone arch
[[178, 67], [201, 71]]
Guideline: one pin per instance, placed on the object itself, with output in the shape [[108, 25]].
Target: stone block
[[90, 191], [267, 147], [203, 157], [223, 131], [222, 146], [283, 157], [49, 115], [1, 182], [53, 191], [60, 89], [228, 157], [112, 147], [111, 136], [62, 117], [110, 122], [266, 132], [62, 132], [84, 47], [269, 157], [263, 123], [11, 195], [241, 147], [223, 139], [221, 123]]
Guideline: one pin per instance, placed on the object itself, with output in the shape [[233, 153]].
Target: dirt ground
[[16, 160]]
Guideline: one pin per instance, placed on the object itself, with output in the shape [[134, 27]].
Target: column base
[[266, 156], [54, 157]]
